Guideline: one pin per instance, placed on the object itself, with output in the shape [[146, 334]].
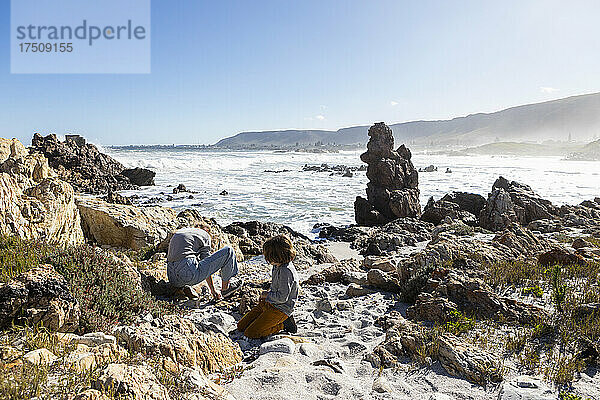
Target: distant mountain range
[[574, 118]]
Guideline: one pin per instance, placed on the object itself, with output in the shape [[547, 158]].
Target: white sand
[[343, 337]]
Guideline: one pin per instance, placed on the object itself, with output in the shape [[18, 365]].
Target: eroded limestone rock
[[131, 381], [182, 341], [33, 203]]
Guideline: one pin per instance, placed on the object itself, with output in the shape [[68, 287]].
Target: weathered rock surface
[[131, 381], [450, 290], [437, 211], [11, 148], [33, 203], [284, 345], [514, 202], [40, 357], [340, 272], [407, 339], [546, 225], [85, 358], [560, 256], [182, 341], [499, 212], [125, 226], [516, 243], [40, 295], [392, 191], [585, 215]]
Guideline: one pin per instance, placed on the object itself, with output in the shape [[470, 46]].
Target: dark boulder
[[139, 176], [180, 188], [469, 202], [560, 256], [499, 211], [437, 211]]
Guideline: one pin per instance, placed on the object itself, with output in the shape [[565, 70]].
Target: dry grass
[[20, 381], [551, 347]]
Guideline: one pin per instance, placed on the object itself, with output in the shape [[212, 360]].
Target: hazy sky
[[221, 67]]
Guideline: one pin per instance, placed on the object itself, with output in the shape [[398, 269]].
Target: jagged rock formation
[[514, 202], [469, 202], [34, 204], [85, 167], [516, 243], [392, 191], [40, 295], [448, 291]]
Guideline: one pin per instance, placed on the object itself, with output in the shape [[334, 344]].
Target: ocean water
[[302, 199]]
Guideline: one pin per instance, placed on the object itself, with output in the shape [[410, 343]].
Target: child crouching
[[275, 306]]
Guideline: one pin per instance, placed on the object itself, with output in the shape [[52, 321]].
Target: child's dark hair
[[279, 250]]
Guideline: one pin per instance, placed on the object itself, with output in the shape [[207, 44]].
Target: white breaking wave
[[302, 199]]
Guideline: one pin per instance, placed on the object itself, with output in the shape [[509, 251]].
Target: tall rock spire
[[392, 191]]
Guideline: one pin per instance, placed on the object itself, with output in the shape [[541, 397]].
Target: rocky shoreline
[[470, 297]]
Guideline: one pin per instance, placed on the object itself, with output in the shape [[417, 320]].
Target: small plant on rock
[[534, 291], [569, 396], [458, 323]]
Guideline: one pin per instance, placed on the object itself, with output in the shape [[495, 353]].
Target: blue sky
[[221, 67]]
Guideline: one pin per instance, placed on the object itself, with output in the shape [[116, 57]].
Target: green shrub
[[107, 295], [18, 256], [569, 396], [458, 323], [534, 291]]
